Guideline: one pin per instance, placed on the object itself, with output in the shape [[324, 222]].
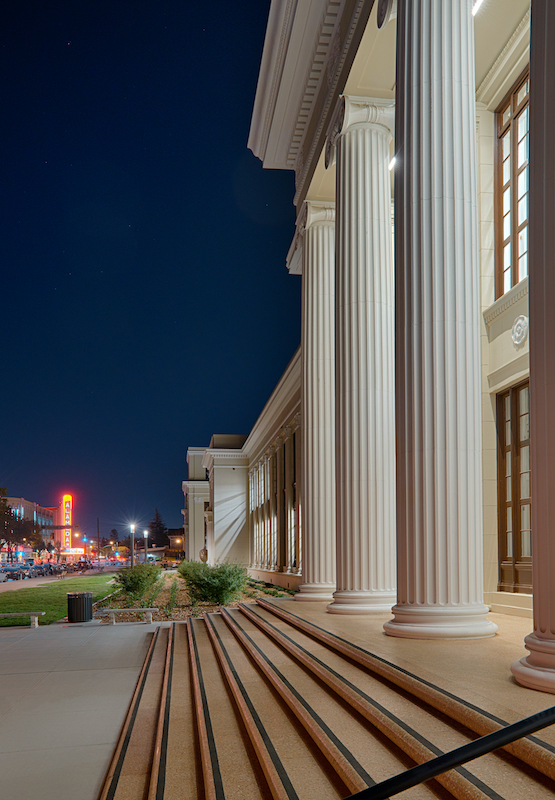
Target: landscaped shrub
[[219, 584], [136, 581]]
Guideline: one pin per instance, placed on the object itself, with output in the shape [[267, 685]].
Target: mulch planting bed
[[182, 608]]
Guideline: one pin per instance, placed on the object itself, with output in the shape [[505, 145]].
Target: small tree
[[158, 530]]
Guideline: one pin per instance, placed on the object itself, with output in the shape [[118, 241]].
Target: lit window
[[515, 545], [512, 175]]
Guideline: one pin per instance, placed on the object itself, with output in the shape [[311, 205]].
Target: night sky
[[145, 299]]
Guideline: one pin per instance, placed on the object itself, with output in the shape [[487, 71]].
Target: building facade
[[418, 471]]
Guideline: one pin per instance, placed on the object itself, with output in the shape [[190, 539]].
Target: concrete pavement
[[65, 690]]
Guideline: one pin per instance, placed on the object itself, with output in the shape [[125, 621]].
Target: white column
[[439, 469], [537, 670], [280, 516], [267, 561], [318, 402], [364, 388], [258, 517], [289, 511], [298, 494], [273, 511]]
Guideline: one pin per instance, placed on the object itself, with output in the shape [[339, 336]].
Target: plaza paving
[[66, 689]]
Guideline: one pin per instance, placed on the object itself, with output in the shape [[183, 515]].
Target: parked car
[[13, 572], [25, 570]]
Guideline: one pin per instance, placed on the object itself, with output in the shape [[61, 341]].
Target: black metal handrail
[[468, 752]]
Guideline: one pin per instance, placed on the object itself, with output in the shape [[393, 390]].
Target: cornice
[[518, 46], [195, 485], [281, 406], [308, 50], [347, 35], [506, 301], [278, 35], [500, 378]]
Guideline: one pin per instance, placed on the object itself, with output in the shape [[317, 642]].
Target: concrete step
[[129, 774], [256, 703], [409, 710]]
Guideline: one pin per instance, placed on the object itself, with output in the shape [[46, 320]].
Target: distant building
[[197, 502], [45, 516], [177, 540]]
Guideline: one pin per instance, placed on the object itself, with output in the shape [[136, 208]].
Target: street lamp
[[145, 534], [132, 542]]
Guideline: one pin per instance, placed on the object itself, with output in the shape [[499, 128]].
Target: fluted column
[[280, 505], [289, 501], [265, 514], [298, 494], [537, 670], [439, 469], [273, 511], [255, 514], [318, 402], [364, 388]]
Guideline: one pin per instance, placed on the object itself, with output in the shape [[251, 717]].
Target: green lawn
[[52, 597]]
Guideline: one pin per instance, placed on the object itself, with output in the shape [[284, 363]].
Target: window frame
[[515, 569], [500, 130]]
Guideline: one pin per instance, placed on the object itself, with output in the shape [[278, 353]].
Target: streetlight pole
[[132, 542], [146, 542]]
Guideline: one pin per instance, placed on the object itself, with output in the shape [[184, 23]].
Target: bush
[[136, 581], [218, 585]]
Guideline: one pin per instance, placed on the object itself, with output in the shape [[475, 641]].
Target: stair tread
[[132, 778], [494, 771], [235, 755], [309, 773], [182, 764]]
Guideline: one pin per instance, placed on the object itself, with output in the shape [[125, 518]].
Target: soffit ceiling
[[501, 30]]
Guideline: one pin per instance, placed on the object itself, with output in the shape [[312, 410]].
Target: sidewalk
[[65, 691]]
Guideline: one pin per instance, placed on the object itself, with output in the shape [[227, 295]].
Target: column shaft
[[439, 498], [289, 511], [537, 671], [365, 399], [318, 404]]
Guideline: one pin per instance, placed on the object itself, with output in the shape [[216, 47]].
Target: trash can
[[79, 607]]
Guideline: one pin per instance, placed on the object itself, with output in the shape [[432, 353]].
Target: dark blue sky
[[145, 300]]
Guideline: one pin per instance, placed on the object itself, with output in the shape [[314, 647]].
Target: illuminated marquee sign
[[68, 518]]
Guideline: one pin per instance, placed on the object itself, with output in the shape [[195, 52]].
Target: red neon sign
[[67, 511]]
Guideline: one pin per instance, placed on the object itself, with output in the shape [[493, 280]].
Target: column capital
[[311, 212], [350, 111], [315, 211]]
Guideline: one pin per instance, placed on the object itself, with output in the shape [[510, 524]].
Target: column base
[[315, 591], [440, 622], [361, 602], [536, 671]]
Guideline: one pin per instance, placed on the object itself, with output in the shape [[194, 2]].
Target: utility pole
[[98, 539]]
